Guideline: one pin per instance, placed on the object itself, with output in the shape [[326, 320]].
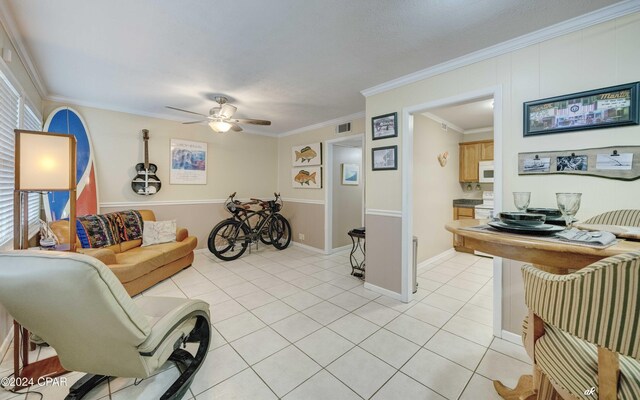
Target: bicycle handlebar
[[231, 203]]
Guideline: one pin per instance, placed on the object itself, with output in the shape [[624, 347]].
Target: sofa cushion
[[134, 263], [130, 244], [572, 364], [175, 250], [105, 255]]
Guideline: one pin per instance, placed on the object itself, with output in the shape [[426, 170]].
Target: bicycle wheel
[[280, 232], [227, 240], [264, 235]]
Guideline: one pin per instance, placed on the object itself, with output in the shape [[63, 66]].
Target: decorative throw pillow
[[158, 232]]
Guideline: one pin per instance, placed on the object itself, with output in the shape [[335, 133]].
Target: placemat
[[627, 232], [552, 239]]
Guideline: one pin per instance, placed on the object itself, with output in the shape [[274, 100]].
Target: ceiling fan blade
[[235, 127], [227, 110], [195, 122], [251, 121], [187, 111]]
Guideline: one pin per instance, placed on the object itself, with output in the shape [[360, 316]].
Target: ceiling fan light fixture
[[220, 126]]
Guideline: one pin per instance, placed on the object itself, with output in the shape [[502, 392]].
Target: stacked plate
[[524, 222], [554, 216]]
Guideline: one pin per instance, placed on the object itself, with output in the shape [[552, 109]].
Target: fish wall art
[[306, 178], [304, 155]]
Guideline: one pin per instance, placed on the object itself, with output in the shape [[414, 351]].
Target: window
[[14, 113]]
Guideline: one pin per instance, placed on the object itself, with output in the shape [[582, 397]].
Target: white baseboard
[[307, 247], [386, 292], [338, 249], [6, 342], [511, 337], [438, 258], [203, 250]]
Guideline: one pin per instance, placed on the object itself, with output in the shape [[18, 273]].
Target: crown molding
[[443, 121], [10, 27], [478, 130], [110, 107], [584, 21], [331, 122]]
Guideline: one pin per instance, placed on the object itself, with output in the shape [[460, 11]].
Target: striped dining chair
[[586, 329], [616, 217]]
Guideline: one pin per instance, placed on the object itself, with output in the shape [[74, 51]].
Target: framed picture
[[384, 126], [188, 163], [350, 174], [595, 109], [384, 158], [310, 154], [306, 178]]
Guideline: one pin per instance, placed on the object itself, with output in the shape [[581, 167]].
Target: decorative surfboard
[[56, 204]]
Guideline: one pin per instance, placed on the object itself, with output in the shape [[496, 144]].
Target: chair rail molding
[[384, 213]]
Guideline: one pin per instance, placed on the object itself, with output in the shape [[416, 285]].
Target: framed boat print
[[384, 158], [384, 126], [350, 174], [594, 109]]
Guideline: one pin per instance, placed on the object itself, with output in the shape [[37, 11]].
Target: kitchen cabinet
[[486, 151], [470, 154], [462, 213]]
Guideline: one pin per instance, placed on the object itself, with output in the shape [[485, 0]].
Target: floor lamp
[[44, 162]]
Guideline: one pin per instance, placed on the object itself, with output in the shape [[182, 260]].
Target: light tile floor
[[294, 324]]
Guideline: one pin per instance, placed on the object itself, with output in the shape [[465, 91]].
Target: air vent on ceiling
[[343, 128]]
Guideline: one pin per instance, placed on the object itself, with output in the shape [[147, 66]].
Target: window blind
[[9, 120], [33, 122]]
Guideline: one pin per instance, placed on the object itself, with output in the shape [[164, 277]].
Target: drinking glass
[[521, 200], [569, 204]]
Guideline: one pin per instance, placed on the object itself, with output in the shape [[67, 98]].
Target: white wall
[[434, 187], [236, 162], [347, 199], [601, 55], [305, 208]]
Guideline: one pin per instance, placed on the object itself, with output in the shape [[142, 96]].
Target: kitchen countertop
[[466, 203]]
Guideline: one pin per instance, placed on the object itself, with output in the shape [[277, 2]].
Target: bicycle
[[230, 238]]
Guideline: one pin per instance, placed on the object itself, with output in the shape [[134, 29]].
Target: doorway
[[344, 199], [408, 114]]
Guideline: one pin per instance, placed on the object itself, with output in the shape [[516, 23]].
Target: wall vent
[[343, 128], [444, 126]]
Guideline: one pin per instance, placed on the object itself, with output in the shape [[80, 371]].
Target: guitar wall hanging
[[146, 182]]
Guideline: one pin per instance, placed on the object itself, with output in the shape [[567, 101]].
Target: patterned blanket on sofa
[[102, 230]]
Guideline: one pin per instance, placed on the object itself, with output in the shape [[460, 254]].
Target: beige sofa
[[139, 268]]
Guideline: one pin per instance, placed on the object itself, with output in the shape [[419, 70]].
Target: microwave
[[485, 171]]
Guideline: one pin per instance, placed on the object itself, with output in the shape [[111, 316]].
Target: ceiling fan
[[220, 117]]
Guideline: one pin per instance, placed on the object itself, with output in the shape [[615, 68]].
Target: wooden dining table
[[550, 256]]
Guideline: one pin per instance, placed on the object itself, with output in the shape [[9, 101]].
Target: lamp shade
[[45, 161], [220, 126]]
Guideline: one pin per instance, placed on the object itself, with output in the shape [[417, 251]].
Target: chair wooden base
[[523, 390]]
